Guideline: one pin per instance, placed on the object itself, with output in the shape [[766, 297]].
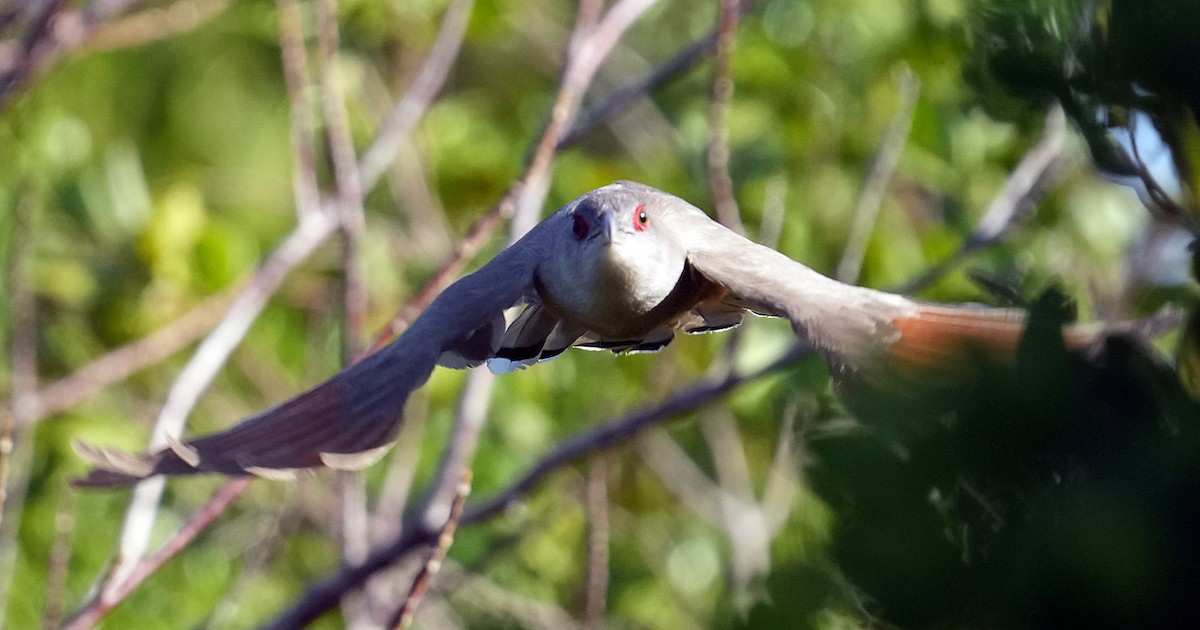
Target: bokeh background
[[146, 173]]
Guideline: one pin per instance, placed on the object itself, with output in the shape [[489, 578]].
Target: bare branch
[[151, 25], [203, 367], [295, 75], [779, 491], [409, 109], [51, 31], [325, 594], [879, 173], [618, 100], [351, 489], [107, 598], [596, 592], [60, 559], [404, 616], [345, 172], [720, 183], [1037, 171], [124, 361], [16, 453]]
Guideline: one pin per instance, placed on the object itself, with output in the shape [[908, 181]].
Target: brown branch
[[108, 597], [404, 616], [326, 593], [60, 559], [720, 183], [50, 33], [596, 591], [31, 49], [304, 160]]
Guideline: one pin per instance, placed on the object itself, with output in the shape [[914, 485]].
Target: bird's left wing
[[350, 420]]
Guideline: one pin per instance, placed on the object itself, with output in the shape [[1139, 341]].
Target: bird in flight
[[620, 268]]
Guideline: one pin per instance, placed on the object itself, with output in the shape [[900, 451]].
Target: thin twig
[[409, 109], [402, 471], [404, 616], [22, 341], [60, 559], [351, 489], [51, 32], [779, 491], [16, 453], [295, 76], [469, 420], [35, 45], [879, 173], [617, 101], [596, 591], [107, 598], [345, 172], [1037, 171], [204, 366], [720, 183], [1162, 206], [119, 363], [680, 474], [314, 225], [154, 24]]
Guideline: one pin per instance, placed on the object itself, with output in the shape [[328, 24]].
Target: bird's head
[[611, 263]]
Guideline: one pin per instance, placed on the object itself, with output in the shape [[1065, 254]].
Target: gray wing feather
[[350, 419]]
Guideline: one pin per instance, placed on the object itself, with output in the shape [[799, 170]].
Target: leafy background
[[142, 178]]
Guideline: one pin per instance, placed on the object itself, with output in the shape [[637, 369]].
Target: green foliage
[[159, 175], [1056, 495]]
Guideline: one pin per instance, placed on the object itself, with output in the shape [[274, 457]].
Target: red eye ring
[[579, 227], [639, 218]]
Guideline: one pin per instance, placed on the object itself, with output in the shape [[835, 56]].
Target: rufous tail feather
[[947, 344]]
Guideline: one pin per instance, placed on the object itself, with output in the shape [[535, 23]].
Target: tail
[[938, 346]]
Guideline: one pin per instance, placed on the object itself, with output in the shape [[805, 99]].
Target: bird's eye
[[579, 227], [640, 218]]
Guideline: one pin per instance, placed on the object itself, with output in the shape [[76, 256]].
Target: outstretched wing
[[885, 340], [349, 420]]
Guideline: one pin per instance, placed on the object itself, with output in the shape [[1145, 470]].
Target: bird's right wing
[[349, 420]]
